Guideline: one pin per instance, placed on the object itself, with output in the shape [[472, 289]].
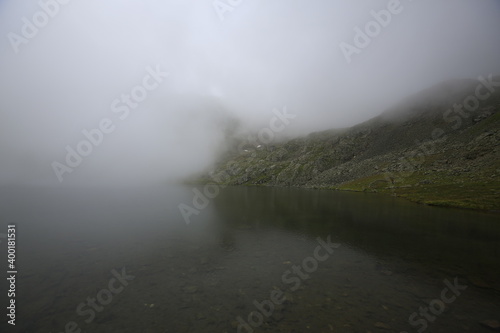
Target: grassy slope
[[462, 170], [478, 188]]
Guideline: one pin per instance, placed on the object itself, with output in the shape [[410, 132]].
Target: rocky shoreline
[[428, 149]]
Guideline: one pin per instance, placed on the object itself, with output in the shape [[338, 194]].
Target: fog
[[207, 66]]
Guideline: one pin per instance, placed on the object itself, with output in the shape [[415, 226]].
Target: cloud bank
[[64, 64]]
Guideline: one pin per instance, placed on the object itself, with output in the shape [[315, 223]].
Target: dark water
[[249, 261]]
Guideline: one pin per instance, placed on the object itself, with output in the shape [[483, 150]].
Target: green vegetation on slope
[[428, 154]]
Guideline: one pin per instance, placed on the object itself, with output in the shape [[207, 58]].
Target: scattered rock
[[491, 324], [190, 289], [288, 297], [203, 260], [478, 282], [382, 326], [385, 151]]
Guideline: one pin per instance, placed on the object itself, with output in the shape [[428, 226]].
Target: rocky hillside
[[439, 147]]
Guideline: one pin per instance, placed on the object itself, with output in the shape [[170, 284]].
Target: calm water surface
[[124, 260]]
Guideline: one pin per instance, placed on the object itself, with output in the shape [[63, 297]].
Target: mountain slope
[[423, 149]]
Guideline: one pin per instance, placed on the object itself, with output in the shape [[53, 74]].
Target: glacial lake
[[256, 259]]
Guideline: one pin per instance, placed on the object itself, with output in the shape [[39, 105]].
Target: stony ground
[[420, 150]]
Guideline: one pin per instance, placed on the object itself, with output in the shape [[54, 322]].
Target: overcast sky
[[61, 73]]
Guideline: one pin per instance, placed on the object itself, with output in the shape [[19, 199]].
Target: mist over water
[[392, 259], [105, 106], [64, 77]]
